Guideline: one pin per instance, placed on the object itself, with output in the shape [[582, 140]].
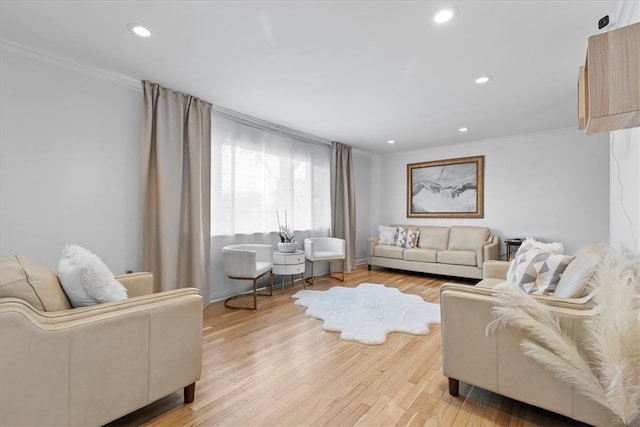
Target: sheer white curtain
[[256, 172]]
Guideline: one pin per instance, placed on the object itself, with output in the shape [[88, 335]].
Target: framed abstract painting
[[446, 188]]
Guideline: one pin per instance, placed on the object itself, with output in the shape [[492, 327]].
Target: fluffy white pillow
[[387, 235], [555, 248], [86, 279]]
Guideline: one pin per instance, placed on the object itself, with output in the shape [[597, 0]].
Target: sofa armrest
[[137, 283], [580, 304], [488, 250], [373, 242], [495, 269]]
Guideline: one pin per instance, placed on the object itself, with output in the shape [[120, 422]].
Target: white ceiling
[[358, 72]]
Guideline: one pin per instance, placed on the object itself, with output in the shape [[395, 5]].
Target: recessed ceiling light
[[444, 15], [482, 80], [391, 141], [139, 30], [463, 129]]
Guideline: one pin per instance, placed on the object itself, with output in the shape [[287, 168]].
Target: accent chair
[[324, 249], [248, 262]]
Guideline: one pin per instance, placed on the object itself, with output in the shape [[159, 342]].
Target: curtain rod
[[265, 125]]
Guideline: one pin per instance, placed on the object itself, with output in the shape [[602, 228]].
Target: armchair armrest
[[495, 269], [309, 248], [126, 354], [137, 283]]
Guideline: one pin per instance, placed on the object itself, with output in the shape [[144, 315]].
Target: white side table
[[288, 263]]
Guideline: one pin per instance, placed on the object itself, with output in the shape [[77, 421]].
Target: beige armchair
[[90, 365], [496, 362], [324, 249], [248, 262]]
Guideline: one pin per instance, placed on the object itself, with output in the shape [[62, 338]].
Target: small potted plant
[[287, 241]]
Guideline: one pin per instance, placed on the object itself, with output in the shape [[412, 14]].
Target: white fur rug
[[366, 314]]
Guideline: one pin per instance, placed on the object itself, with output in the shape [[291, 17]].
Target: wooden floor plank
[[277, 367]]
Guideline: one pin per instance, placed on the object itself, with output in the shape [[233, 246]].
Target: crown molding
[[136, 85], [265, 125], [117, 79]]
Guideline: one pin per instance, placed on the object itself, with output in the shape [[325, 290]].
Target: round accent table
[[288, 263]]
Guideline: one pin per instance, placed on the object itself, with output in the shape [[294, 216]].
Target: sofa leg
[[369, 267], [454, 386], [190, 393]]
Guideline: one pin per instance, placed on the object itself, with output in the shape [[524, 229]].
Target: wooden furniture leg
[[454, 386], [190, 393]]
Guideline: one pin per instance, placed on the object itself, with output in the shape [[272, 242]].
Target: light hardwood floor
[[277, 367]]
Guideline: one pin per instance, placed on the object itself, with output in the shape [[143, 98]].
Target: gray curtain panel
[[176, 189], [343, 201]]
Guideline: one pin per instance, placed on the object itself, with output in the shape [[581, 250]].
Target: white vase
[[287, 247]]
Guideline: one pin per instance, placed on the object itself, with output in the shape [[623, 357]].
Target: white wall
[[625, 189], [68, 163], [624, 225], [552, 186]]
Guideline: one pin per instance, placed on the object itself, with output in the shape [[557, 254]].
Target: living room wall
[[68, 162], [68, 172], [553, 186]]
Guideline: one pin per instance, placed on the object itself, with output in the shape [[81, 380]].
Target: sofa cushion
[[36, 284], [458, 257], [387, 235], [422, 255], [579, 276], [388, 251], [537, 272], [434, 237], [467, 238], [86, 279]]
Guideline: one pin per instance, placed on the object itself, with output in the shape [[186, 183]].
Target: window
[[256, 172]]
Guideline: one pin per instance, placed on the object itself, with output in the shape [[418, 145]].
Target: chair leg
[[271, 283], [255, 294], [310, 279], [190, 393], [313, 274], [343, 270], [249, 294], [454, 386]]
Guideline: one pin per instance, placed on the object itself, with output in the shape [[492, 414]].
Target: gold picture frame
[[452, 188]]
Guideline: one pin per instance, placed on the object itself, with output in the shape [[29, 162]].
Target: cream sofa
[[450, 251], [90, 365], [496, 362]]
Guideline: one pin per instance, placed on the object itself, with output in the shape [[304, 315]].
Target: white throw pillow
[[556, 248], [387, 235], [578, 276], [86, 279]]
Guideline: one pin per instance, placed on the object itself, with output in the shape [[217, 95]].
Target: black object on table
[[512, 244]]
